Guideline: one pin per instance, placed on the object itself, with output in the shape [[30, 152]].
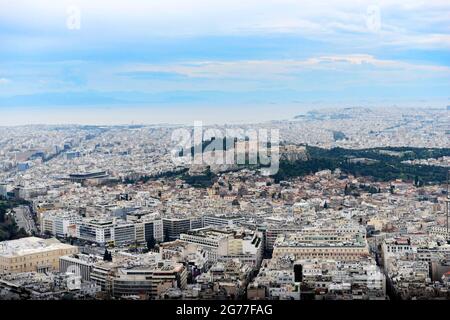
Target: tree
[[107, 256], [20, 234], [48, 234], [71, 240], [9, 229], [392, 189]]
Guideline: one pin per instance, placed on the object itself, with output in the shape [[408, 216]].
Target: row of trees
[[8, 226], [383, 168]]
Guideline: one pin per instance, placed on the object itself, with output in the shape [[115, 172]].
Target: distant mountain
[[334, 114]]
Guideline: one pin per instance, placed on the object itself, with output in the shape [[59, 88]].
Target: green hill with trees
[[382, 164], [8, 227]]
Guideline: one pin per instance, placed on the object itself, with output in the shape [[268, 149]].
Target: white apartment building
[[222, 221], [440, 232], [58, 225], [120, 233], [98, 231], [393, 246], [343, 243], [227, 245]]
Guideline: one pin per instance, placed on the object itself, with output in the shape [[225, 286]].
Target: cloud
[[222, 45], [402, 21], [4, 81], [421, 40], [257, 69]]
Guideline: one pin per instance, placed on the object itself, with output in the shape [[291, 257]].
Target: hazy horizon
[[177, 115]]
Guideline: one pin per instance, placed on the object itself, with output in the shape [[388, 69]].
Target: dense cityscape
[[358, 210]]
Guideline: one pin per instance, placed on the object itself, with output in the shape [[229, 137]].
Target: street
[[24, 219]]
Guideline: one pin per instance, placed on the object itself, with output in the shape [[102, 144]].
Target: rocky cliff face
[[293, 153]]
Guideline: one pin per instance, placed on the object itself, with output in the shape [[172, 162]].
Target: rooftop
[[30, 245]]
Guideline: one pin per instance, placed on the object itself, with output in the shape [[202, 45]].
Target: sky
[[175, 61]]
